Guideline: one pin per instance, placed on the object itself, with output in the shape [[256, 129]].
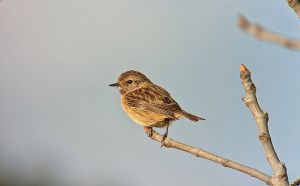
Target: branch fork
[[279, 177], [170, 143]]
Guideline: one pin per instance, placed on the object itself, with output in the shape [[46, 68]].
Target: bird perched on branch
[[148, 104]]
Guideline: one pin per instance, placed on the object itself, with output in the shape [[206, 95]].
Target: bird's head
[[131, 80]]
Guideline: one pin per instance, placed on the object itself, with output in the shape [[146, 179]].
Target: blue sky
[[59, 119]]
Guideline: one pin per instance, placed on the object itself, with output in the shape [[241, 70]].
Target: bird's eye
[[129, 81]]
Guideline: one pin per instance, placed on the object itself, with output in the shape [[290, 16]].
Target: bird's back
[[150, 106]]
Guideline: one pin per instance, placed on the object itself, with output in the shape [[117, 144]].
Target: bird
[[148, 104]]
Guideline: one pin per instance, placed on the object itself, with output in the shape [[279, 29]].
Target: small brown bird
[[148, 104]]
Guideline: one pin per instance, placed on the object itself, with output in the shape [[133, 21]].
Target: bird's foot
[[162, 143], [149, 131]]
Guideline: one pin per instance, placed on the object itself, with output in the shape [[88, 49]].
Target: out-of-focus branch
[[296, 182], [265, 35], [170, 143], [295, 5], [279, 177]]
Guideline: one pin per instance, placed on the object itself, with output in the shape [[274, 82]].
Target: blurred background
[[61, 125]]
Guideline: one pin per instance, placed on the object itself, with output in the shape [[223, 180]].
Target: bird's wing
[[154, 99]]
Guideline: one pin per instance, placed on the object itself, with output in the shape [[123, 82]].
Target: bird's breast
[[143, 117]]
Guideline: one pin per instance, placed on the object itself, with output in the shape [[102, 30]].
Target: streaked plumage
[[148, 104]]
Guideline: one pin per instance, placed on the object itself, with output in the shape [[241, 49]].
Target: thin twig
[[170, 143], [265, 35], [279, 177], [295, 5]]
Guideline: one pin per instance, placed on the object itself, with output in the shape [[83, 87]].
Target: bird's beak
[[114, 85]]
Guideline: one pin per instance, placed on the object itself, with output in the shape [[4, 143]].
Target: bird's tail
[[191, 116]]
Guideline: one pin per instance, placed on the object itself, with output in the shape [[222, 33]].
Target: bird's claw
[[149, 131], [162, 143]]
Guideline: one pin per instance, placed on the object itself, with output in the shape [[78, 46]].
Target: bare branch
[[279, 177], [170, 143], [265, 35], [295, 4]]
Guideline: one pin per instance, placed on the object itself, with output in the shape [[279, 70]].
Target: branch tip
[[242, 22], [280, 177], [243, 68]]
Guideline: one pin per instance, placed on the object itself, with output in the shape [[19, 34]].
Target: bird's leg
[[166, 134], [164, 137], [149, 131]]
